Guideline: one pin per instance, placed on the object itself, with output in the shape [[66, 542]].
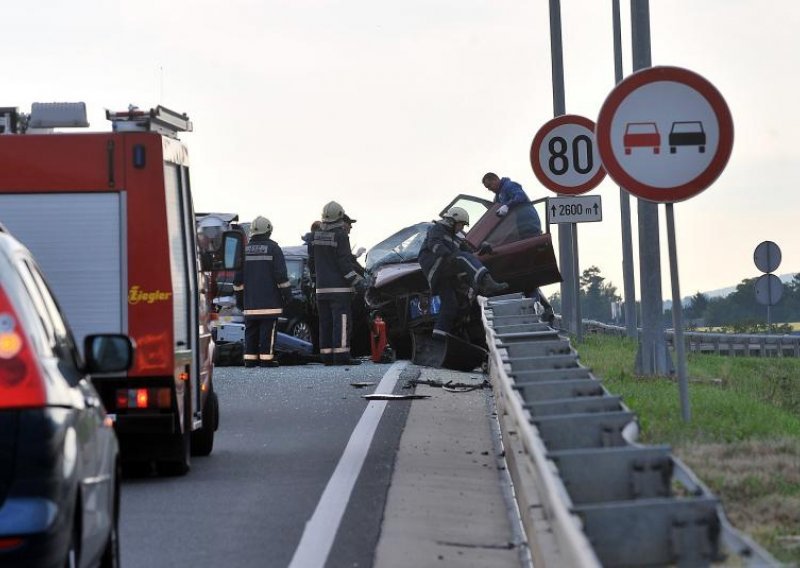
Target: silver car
[[59, 462]]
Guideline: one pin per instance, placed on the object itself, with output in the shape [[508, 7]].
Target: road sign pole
[[578, 322], [652, 356], [677, 316], [628, 279], [565, 245]]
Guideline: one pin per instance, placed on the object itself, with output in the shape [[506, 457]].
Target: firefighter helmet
[[457, 214], [261, 226], [332, 212]]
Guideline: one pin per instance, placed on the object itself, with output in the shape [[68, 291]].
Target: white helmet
[[261, 226], [457, 214], [332, 212]]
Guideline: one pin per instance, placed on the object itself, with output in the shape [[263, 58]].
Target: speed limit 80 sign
[[564, 155]]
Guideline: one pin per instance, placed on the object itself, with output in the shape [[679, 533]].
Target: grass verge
[[743, 439]]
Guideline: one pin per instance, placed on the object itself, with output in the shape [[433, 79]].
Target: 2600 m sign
[[577, 209]]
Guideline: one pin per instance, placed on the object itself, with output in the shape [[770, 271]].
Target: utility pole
[[629, 283], [652, 357], [570, 308]]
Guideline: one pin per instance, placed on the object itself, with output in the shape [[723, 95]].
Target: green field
[[744, 437]]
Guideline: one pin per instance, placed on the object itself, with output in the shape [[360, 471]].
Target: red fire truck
[[109, 217]]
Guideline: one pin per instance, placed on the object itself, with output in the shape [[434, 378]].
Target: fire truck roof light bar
[[160, 119], [55, 115]]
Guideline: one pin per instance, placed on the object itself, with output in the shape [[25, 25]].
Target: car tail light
[[144, 398], [10, 542], [21, 383]]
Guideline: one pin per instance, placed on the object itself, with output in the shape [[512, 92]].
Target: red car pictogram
[[641, 135]]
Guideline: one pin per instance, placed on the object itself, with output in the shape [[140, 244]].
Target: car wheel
[[203, 439], [301, 330], [183, 446], [110, 558]]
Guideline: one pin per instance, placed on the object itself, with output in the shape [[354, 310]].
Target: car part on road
[[446, 351]]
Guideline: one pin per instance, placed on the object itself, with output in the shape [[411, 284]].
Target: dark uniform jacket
[[438, 252], [331, 262], [264, 278]]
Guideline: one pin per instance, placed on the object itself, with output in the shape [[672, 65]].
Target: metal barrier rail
[[732, 344], [589, 494]]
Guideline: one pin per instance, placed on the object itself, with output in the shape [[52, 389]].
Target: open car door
[[525, 263]]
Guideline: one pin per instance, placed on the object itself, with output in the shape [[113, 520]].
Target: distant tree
[[740, 309], [697, 306], [596, 295]]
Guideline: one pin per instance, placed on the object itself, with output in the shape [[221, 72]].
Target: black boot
[[489, 287]]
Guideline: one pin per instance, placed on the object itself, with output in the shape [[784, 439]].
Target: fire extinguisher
[[378, 339]]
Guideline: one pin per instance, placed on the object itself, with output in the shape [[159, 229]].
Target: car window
[[63, 341], [402, 246], [515, 226], [35, 296], [294, 268], [476, 207]]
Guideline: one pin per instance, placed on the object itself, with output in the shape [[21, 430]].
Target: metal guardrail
[[589, 494], [732, 344]]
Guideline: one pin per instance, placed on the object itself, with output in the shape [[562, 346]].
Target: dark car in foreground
[[399, 292], [59, 458]]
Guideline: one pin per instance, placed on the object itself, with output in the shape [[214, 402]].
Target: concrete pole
[[565, 241], [629, 283], [652, 356]]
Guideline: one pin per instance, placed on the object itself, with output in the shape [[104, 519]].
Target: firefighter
[[337, 277], [445, 256], [262, 288]]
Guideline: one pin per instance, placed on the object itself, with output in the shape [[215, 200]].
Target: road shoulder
[[446, 505]]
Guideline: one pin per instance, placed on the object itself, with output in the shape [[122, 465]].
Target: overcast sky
[[391, 108]]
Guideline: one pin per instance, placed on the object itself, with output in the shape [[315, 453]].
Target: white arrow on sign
[[578, 209]]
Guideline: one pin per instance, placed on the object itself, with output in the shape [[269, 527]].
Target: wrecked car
[[399, 292]]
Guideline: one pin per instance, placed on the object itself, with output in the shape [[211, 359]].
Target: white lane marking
[[321, 528]]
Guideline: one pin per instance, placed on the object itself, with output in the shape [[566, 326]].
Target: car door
[[95, 436], [525, 263]]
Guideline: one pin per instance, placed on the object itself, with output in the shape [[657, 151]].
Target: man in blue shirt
[[511, 197]]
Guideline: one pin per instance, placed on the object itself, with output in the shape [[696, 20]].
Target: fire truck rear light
[[144, 398]]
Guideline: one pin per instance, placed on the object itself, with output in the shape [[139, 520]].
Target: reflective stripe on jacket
[[331, 261], [262, 277], [438, 249]]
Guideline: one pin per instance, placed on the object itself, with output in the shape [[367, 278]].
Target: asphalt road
[[282, 434]]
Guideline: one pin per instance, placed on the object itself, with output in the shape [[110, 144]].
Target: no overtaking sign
[[664, 134]]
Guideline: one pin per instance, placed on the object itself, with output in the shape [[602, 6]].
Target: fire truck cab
[[109, 217]]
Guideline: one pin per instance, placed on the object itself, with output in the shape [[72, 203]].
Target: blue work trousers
[[259, 339], [335, 327]]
